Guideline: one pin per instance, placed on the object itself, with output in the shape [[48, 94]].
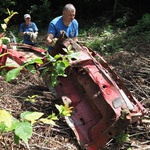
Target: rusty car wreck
[[102, 105]]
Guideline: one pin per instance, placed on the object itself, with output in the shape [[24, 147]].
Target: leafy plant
[[6, 21], [64, 110], [123, 20], [141, 29], [23, 129], [34, 9], [31, 98], [3, 39], [12, 74], [58, 64], [142, 25], [122, 137], [108, 43], [50, 119]]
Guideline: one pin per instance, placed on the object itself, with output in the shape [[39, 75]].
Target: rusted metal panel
[[102, 104]]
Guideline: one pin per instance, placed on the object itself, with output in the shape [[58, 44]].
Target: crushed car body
[[102, 104]]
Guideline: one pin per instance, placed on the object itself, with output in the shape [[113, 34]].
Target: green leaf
[[64, 110], [67, 110], [60, 108], [65, 50], [66, 63], [22, 116], [6, 118], [2, 127], [37, 60], [8, 11], [31, 116], [73, 55], [14, 125], [31, 68], [24, 131], [47, 121], [12, 74], [31, 98], [53, 116], [60, 67], [50, 58], [56, 57]]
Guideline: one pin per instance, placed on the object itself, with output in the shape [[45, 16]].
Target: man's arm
[[35, 28], [21, 30], [75, 39], [22, 33], [49, 39]]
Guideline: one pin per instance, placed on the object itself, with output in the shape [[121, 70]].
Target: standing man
[[29, 31], [66, 22]]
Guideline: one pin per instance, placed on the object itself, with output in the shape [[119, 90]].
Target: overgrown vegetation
[[22, 128], [110, 39]]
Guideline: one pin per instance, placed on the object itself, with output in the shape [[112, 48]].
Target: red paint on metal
[[99, 106], [3, 50], [103, 106]]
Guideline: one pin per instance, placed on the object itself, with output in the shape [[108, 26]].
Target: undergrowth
[[111, 38]]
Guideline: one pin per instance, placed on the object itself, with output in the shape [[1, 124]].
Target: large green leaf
[[22, 116], [5, 118], [73, 55], [66, 63], [60, 67], [31, 116], [37, 60], [50, 58], [24, 131], [31, 68], [2, 127], [12, 74], [14, 125]]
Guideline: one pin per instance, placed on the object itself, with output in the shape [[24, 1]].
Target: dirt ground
[[133, 67]]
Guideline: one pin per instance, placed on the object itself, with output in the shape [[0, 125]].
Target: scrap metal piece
[[103, 106]]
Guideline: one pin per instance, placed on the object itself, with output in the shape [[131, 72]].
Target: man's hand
[[27, 33], [53, 42]]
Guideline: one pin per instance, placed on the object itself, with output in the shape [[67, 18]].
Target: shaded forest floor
[[132, 66]]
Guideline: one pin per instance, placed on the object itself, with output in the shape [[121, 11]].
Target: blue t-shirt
[[28, 28], [56, 25]]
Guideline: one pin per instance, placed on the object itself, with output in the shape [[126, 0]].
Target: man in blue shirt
[[29, 31], [66, 22]]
